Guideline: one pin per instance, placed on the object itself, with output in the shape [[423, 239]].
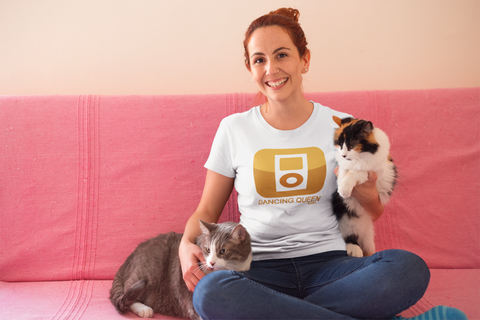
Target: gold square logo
[[289, 172]]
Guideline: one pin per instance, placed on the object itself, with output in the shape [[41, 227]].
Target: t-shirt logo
[[289, 172]]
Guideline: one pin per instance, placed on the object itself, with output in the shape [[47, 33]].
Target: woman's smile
[[277, 84]]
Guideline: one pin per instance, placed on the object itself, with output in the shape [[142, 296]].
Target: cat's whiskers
[[204, 267]]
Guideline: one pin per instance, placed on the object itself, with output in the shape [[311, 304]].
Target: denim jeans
[[329, 285]]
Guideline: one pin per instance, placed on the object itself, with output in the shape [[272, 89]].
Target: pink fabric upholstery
[[84, 179]]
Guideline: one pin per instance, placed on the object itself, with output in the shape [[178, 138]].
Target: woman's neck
[[287, 115]]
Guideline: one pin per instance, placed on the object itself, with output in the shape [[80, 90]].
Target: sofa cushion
[[83, 180], [90, 177]]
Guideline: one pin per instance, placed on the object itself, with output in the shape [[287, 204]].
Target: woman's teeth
[[277, 83]]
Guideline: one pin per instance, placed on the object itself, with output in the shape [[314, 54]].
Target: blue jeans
[[329, 285]]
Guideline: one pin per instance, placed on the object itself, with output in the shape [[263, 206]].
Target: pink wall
[[190, 47]]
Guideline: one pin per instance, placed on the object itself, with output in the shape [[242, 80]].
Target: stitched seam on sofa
[[85, 237]]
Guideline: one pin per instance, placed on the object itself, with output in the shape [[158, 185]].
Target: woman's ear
[[247, 65], [306, 60]]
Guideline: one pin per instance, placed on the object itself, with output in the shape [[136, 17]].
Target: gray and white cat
[[360, 148], [151, 280]]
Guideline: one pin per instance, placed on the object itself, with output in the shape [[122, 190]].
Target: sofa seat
[[88, 299]]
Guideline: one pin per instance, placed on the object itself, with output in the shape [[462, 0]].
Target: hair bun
[[291, 13]]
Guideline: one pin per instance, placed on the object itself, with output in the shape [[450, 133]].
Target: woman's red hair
[[286, 18]]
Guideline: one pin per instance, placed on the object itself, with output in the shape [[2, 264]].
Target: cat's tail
[[123, 300]]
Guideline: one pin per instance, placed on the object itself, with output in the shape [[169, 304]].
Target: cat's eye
[[223, 251], [207, 250]]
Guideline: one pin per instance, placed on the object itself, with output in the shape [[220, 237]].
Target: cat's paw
[[141, 310], [345, 192], [346, 185], [354, 250]]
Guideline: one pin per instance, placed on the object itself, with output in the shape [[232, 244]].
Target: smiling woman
[[277, 56], [280, 158], [277, 68]]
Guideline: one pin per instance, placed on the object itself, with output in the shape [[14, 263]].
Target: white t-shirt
[[284, 181]]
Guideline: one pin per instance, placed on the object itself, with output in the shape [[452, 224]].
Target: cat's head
[[225, 246], [354, 137]]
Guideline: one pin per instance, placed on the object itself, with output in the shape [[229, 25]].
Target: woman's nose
[[272, 68]]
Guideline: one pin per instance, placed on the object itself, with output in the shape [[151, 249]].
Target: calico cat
[[151, 280], [360, 148]]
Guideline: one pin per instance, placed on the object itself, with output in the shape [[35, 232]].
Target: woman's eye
[[282, 55], [259, 60]]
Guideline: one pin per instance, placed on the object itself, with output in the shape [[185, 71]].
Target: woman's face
[[275, 63]]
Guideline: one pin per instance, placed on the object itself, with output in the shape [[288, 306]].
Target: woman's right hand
[[215, 194], [190, 255]]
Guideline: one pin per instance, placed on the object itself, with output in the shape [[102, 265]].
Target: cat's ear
[[239, 233], [206, 227], [337, 120], [368, 127]]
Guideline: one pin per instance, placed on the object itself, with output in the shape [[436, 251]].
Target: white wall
[[193, 46]]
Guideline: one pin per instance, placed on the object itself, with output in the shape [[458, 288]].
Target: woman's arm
[[216, 192]]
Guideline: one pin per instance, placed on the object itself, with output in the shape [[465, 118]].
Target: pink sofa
[[84, 179]]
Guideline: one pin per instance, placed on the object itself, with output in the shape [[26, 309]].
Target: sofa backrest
[[84, 179]]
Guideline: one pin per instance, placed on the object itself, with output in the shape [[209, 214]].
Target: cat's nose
[[344, 155], [212, 263]]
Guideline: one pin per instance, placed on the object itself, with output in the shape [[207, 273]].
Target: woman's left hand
[[367, 194], [367, 191]]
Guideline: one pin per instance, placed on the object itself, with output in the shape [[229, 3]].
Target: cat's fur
[[151, 280], [360, 148]]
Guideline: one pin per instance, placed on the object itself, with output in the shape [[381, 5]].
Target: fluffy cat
[[360, 148], [151, 280]]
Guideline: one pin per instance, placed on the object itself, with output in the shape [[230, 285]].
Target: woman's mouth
[[277, 83]]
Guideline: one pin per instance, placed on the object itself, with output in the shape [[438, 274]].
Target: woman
[[300, 268]]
